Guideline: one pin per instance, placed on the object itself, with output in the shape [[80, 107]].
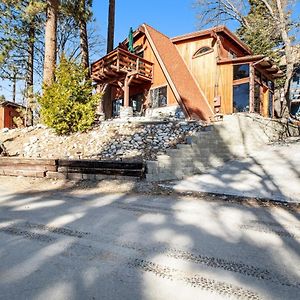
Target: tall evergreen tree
[[20, 27], [262, 33], [81, 13], [50, 41]]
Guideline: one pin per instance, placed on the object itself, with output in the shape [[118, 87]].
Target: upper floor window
[[240, 71], [202, 51]]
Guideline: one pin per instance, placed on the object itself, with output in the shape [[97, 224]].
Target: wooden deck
[[120, 63]]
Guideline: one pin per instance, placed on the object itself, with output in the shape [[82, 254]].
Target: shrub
[[68, 105]]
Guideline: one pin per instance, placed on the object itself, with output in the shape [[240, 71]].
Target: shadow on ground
[[73, 243]]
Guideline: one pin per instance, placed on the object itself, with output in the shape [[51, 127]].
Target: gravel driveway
[[68, 242]]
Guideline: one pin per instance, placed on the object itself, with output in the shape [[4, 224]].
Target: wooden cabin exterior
[[201, 74], [8, 111]]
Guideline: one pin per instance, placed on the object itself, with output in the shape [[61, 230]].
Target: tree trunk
[[14, 92], [29, 77], [282, 22], [50, 41], [111, 26], [31, 36], [84, 45]]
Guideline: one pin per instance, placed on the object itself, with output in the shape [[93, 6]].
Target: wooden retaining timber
[[11, 166], [70, 169]]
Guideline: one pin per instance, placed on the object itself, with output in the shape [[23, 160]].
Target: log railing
[[122, 61]]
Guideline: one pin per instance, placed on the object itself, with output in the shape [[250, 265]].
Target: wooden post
[[126, 92], [118, 60]]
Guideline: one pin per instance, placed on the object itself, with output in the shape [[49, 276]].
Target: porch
[[122, 69]]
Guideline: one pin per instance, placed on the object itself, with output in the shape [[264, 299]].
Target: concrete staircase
[[235, 137], [202, 151]]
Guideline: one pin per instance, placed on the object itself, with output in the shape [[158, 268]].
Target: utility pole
[[111, 26]]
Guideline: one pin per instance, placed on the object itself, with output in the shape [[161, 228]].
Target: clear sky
[[171, 17]]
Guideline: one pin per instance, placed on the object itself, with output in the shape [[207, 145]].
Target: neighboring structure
[[295, 86], [295, 93], [9, 111], [199, 74]]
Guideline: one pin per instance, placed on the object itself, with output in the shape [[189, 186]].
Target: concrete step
[[183, 146]]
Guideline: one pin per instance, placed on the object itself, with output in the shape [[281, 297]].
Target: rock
[[33, 139]]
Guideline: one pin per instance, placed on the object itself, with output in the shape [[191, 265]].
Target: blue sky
[[171, 17]]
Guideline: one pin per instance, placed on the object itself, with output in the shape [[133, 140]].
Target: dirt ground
[[131, 187], [129, 240]]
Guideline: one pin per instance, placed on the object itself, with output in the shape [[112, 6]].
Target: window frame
[[196, 54], [150, 96], [243, 78]]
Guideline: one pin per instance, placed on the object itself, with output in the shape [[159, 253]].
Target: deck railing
[[122, 61]]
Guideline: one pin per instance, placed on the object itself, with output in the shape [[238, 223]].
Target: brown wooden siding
[[229, 46], [204, 67], [7, 113], [2, 117], [225, 88], [159, 79]]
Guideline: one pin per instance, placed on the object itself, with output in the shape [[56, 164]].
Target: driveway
[[273, 172], [65, 242]]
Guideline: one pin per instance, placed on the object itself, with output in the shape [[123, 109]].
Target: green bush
[[68, 105]]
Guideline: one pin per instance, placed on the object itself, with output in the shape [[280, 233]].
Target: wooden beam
[[121, 85], [126, 92], [130, 79]]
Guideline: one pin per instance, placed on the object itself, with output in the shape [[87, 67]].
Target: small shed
[[8, 111]]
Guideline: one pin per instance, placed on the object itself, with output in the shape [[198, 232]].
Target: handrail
[[122, 60]]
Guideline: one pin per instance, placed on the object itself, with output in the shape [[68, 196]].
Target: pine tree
[[50, 41], [261, 34], [80, 12]]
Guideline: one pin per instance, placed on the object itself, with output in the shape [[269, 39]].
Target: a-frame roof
[[180, 79]]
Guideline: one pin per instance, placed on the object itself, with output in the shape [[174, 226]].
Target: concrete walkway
[[273, 173]]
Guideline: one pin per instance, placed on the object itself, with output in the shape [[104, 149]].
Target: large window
[[158, 97], [136, 102], [241, 97], [257, 98], [240, 71], [271, 108], [116, 107]]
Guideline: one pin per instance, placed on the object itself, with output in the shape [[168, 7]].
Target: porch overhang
[[260, 62]]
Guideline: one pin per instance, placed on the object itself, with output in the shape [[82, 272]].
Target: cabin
[[199, 76], [8, 111]]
